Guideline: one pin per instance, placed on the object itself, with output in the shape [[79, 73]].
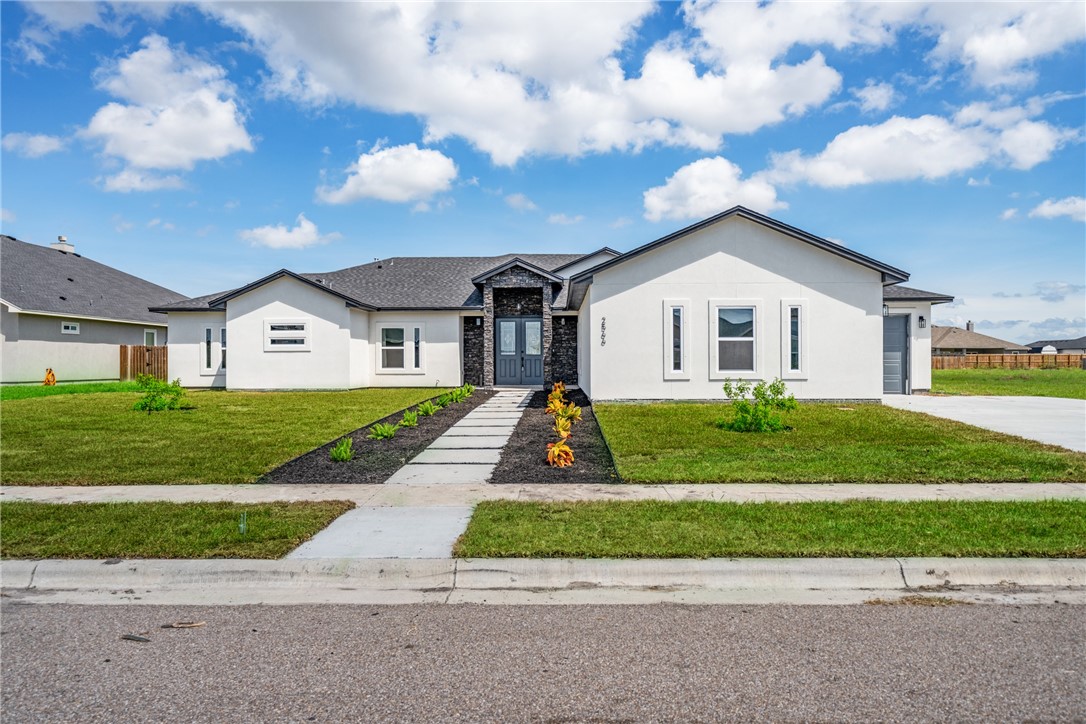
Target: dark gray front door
[[895, 355], [518, 351]]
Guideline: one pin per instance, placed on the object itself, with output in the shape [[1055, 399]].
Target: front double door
[[518, 351]]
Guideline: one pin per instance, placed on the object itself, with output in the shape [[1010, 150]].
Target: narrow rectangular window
[[676, 339], [793, 339], [222, 345], [418, 347], [392, 351], [69, 327], [207, 348], [735, 339], [282, 335], [150, 337]]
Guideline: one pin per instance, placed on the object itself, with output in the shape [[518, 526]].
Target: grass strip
[[851, 529], [1063, 382], [160, 530], [227, 437], [24, 392], [828, 443]]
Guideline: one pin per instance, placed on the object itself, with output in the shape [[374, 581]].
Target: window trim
[[73, 327], [410, 352], [804, 371], [306, 334], [155, 338], [211, 346], [669, 306], [714, 347]]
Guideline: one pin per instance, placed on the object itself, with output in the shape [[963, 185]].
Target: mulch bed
[[374, 460], [524, 458]]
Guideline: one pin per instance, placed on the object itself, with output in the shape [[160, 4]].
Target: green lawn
[[228, 437], [161, 530], [654, 529], [680, 442], [1039, 383], [22, 392]]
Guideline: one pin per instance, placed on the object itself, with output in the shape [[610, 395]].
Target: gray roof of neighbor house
[[407, 282], [898, 293], [1078, 343], [955, 338], [37, 278]]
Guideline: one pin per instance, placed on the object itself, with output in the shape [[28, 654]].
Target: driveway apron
[[1051, 420]]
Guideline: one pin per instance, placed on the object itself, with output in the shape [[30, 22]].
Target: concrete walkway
[[1051, 420]]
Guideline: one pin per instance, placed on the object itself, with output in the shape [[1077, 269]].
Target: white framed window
[[401, 348], [285, 335], [734, 338], [676, 342], [69, 327], [213, 350], [150, 337], [795, 358]]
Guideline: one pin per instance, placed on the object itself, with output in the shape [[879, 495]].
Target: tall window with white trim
[[735, 351], [795, 357], [676, 357], [213, 350]]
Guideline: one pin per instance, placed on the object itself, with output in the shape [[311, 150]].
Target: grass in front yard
[[161, 530], [862, 528], [228, 437], [23, 392], [1065, 382], [680, 442]]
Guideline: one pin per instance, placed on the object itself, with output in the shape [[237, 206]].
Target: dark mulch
[[524, 458], [374, 460]]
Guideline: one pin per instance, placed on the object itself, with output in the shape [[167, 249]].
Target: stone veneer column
[[548, 335], [488, 333]]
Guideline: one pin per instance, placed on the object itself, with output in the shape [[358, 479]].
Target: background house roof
[[37, 278], [955, 338], [1078, 343], [898, 293]]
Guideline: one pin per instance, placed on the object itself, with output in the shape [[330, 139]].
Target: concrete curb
[[818, 580]]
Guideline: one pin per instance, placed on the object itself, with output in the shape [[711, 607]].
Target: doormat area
[[524, 458], [374, 461]]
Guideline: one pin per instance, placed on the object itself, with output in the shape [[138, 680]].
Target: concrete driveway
[[1052, 420]]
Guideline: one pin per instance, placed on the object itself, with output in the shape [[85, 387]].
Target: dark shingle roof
[[409, 282], [898, 293], [1078, 343], [41, 279]]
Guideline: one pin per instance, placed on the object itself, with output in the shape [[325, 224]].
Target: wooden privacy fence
[[1005, 361], [139, 360]]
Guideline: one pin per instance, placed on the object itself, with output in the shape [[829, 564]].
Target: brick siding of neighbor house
[[473, 351], [501, 293], [564, 350]]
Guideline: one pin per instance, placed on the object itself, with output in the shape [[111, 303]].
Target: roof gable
[[315, 283], [516, 262]]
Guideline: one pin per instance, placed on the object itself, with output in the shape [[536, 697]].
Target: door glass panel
[[507, 332], [533, 338]]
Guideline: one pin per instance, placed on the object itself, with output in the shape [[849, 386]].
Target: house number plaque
[[603, 331]]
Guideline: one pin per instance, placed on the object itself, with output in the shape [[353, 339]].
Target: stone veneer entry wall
[[473, 351], [516, 284], [564, 350]]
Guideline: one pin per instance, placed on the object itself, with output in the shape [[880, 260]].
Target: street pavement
[[530, 663]]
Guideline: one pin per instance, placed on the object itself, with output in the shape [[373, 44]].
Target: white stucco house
[[60, 310], [738, 295]]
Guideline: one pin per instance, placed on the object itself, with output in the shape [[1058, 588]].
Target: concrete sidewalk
[[456, 495], [553, 581]]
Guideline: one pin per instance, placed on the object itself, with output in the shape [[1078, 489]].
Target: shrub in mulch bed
[[524, 457], [374, 461]]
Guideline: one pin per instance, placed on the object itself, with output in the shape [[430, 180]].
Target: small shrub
[[761, 412], [559, 454], [563, 427], [383, 431], [159, 395], [343, 450], [427, 408], [469, 389], [442, 401], [410, 418], [569, 412]]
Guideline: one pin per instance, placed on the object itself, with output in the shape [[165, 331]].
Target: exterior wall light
[[886, 310], [923, 321], [478, 321]]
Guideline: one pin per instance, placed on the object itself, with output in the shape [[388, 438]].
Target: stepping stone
[[428, 456], [496, 442], [476, 430], [485, 422], [387, 532], [514, 416], [441, 474]]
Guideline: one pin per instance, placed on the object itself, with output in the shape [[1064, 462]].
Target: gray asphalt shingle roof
[[1077, 343], [898, 293], [955, 338], [41, 279]]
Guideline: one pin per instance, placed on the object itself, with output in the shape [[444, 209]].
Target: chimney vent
[[969, 326], [61, 244]]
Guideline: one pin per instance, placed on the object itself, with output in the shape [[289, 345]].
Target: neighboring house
[[63, 311], [738, 295], [954, 340], [1059, 346]]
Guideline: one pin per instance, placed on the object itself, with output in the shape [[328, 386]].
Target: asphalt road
[[555, 663]]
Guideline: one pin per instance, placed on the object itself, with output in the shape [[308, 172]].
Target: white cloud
[[304, 233], [7, 215], [1073, 207], [32, 145], [706, 187], [398, 174], [1057, 291], [620, 222], [564, 219], [986, 181], [520, 202], [875, 97], [177, 110], [1008, 214], [132, 180]]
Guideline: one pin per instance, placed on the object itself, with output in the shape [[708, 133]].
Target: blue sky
[[202, 146]]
